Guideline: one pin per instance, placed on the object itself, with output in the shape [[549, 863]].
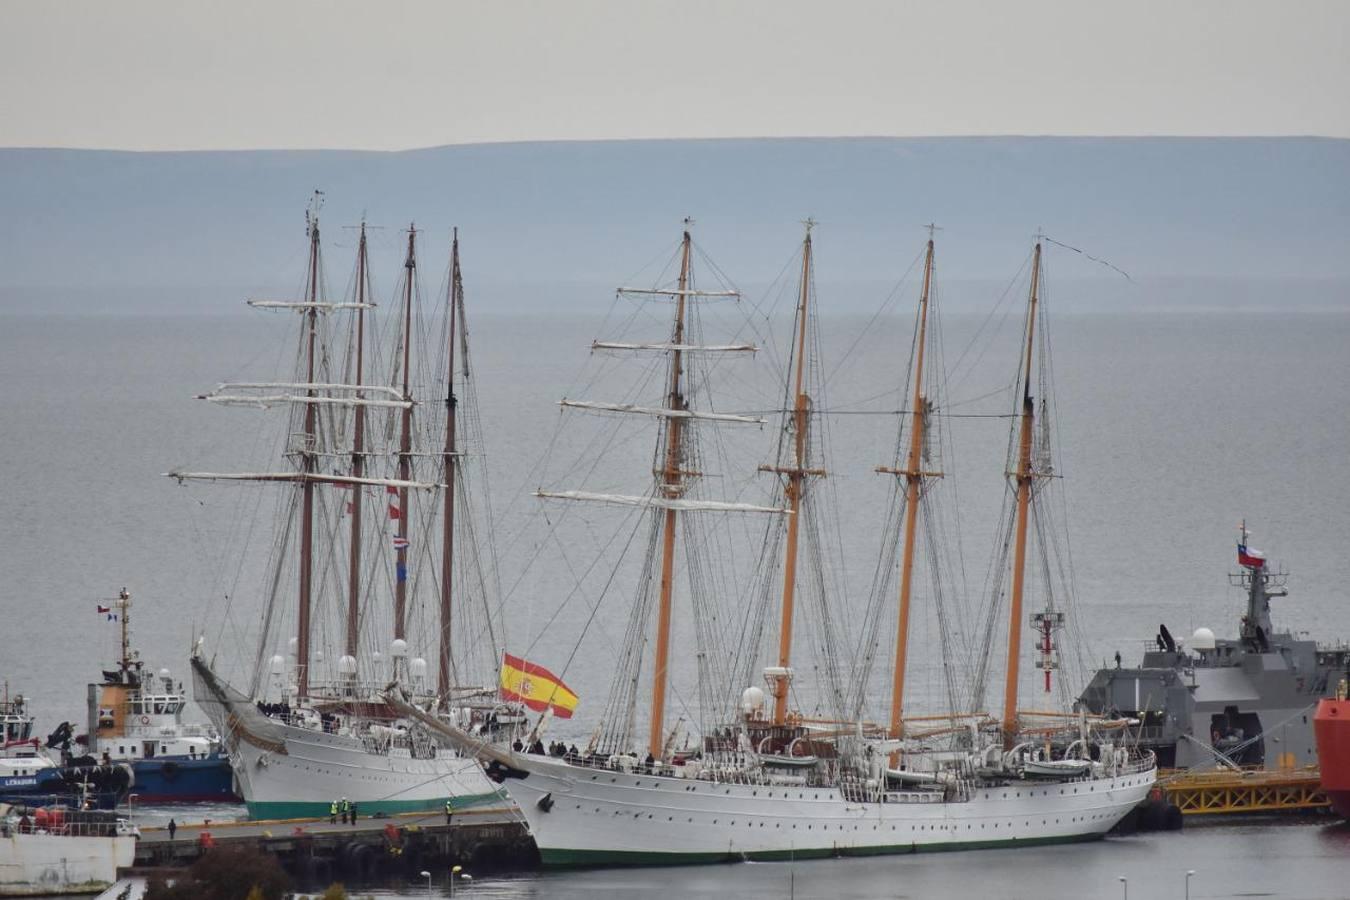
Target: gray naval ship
[[1247, 702]]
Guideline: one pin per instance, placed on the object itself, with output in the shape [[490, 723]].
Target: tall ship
[[744, 772], [135, 718], [1241, 702], [378, 545]]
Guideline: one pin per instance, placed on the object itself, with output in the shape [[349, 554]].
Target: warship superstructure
[[1245, 702]]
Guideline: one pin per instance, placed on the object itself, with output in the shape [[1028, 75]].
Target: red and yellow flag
[[536, 687]]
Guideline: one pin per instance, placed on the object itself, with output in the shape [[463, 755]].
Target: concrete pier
[[493, 837]]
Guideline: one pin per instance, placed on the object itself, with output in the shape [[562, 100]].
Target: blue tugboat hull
[[179, 779]]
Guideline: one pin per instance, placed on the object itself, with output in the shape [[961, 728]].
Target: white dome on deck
[[347, 665], [1203, 639], [399, 648], [278, 664], [418, 668], [752, 700]]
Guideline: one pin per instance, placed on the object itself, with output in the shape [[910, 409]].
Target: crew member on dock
[[332, 813], [449, 812]]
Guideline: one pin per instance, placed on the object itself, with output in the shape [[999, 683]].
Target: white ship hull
[[37, 865], [287, 771], [584, 816], [316, 768]]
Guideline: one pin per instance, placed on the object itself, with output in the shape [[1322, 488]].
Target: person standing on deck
[[173, 828], [449, 812], [332, 813]]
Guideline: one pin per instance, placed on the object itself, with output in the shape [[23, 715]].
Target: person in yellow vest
[[332, 813], [449, 812], [346, 809]]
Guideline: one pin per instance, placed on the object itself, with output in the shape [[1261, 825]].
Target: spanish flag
[[536, 687]]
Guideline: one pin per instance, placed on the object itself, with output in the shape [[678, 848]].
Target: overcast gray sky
[[263, 73]]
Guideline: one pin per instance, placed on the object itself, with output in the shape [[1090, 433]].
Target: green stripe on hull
[[558, 858], [304, 809]]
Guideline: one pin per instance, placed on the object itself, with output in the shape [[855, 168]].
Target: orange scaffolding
[[1245, 791]]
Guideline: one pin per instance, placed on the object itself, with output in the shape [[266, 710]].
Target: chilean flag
[[1250, 557]]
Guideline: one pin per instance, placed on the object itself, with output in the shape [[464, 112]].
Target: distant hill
[[1196, 222]]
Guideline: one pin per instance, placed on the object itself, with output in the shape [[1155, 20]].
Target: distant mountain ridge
[[1195, 221]]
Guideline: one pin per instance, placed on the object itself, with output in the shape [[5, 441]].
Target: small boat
[[31, 773], [136, 720], [54, 852], [1056, 768]]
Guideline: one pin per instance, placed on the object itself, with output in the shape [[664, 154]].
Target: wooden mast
[[453, 309], [358, 453], [307, 458], [796, 475], [914, 478], [1024, 476], [672, 487], [405, 449]]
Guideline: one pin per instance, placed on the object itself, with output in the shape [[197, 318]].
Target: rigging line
[[890, 300], [1050, 240], [599, 599], [952, 379]]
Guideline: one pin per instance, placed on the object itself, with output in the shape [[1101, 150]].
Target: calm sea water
[[1174, 428]]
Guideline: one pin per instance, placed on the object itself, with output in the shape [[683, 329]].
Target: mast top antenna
[[810, 223], [932, 228]]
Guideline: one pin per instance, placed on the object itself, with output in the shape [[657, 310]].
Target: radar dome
[[399, 648], [347, 665], [752, 700], [293, 645], [418, 667], [278, 664], [164, 673], [1203, 639]]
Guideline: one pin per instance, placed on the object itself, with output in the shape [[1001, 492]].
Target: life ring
[[145, 720]]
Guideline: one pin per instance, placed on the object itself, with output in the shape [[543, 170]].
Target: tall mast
[[672, 487], [358, 452], [796, 476], [405, 447], [123, 607], [453, 308], [307, 457], [1024, 476], [914, 479]]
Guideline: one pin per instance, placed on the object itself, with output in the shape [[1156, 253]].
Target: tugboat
[[35, 774], [136, 718], [1243, 703]]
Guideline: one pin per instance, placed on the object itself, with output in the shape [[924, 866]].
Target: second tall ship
[[376, 541]]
